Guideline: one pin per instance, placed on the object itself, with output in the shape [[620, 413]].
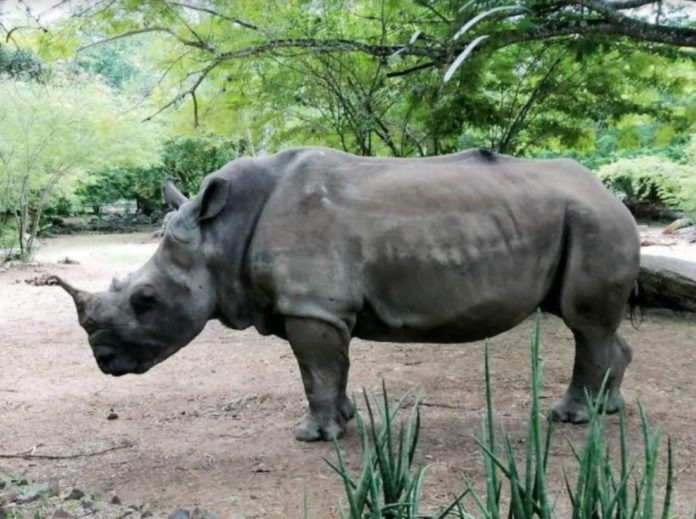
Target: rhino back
[[446, 249]]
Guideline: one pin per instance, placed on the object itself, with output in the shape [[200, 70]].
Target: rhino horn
[[81, 297], [172, 195]]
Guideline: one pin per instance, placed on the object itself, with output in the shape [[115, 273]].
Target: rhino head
[[153, 312]]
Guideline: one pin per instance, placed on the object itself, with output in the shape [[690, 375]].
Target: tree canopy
[[368, 76], [51, 133], [602, 81]]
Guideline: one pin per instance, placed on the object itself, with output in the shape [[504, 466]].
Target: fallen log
[[667, 282]]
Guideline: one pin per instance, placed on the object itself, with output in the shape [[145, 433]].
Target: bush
[[388, 485], [649, 185], [186, 159], [22, 64], [106, 186]]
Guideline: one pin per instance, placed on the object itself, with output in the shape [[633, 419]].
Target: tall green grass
[[605, 485]]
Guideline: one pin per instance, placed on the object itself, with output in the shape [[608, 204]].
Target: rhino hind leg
[[594, 357], [596, 275], [593, 309], [322, 355]]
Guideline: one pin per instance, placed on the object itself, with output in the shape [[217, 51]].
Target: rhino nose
[[112, 363], [104, 360]]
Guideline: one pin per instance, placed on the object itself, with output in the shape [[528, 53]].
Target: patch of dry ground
[[214, 424]]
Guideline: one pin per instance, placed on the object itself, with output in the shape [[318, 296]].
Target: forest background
[[101, 101]]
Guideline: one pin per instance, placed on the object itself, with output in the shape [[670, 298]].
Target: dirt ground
[[213, 426]]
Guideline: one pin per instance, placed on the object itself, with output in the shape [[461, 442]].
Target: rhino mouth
[[115, 358], [117, 364]]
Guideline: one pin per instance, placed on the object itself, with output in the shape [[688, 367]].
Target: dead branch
[[29, 454]]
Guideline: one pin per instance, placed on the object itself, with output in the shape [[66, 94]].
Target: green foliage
[[652, 180], [528, 487], [51, 134], [116, 63], [188, 160], [606, 486], [387, 485], [106, 186], [596, 99], [21, 64], [552, 95]]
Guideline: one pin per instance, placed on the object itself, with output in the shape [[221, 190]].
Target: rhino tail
[[635, 311]]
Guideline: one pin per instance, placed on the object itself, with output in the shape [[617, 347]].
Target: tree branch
[[411, 70], [198, 44], [626, 26], [213, 12], [558, 21], [191, 91], [631, 4]]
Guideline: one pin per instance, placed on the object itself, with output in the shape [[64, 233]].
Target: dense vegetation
[[107, 100]]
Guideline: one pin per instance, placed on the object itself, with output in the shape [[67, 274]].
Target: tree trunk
[[666, 282]]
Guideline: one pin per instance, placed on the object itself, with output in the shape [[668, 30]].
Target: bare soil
[[213, 426]]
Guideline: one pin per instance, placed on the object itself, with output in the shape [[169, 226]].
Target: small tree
[[52, 133]]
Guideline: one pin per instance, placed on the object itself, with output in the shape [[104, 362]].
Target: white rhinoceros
[[318, 246]]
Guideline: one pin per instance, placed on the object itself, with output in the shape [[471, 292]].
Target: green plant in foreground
[[389, 485]]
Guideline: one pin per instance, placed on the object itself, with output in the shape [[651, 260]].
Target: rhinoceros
[[317, 246]]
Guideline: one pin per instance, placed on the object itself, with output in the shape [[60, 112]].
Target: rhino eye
[[143, 300]]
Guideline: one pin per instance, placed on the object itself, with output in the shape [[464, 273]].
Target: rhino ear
[[213, 198], [172, 195]]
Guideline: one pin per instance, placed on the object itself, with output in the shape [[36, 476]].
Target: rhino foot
[[347, 409], [314, 428], [569, 412], [573, 409]]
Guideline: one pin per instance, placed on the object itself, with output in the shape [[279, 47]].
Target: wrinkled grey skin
[[317, 246]]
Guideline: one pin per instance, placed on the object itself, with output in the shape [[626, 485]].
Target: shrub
[[389, 485], [649, 184], [185, 159], [103, 187]]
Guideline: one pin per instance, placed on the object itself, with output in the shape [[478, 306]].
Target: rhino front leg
[[322, 354]]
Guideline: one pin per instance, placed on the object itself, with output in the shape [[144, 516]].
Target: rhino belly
[[445, 300]]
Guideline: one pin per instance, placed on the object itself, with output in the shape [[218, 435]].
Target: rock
[[202, 513], [28, 496], [115, 500], [239, 404], [8, 497], [180, 513], [678, 224], [667, 282], [75, 494], [648, 242], [53, 488], [688, 234], [32, 493]]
